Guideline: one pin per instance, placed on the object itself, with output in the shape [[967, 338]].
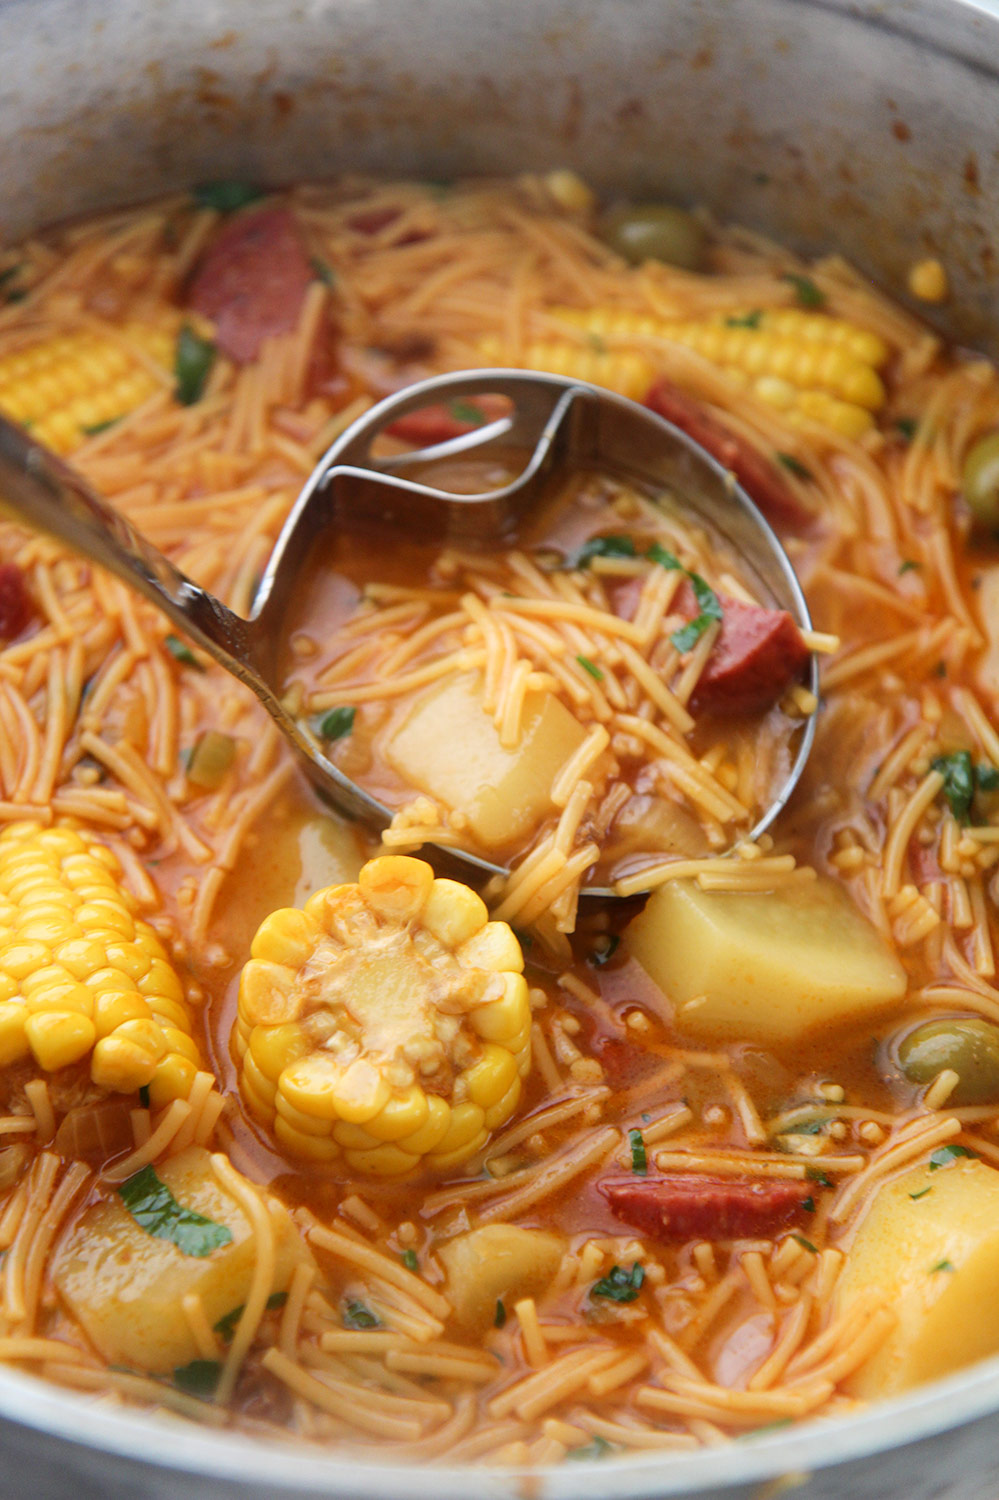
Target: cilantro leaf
[[602, 546], [410, 1260], [155, 1209], [794, 465], [688, 635], [665, 559], [192, 365], [200, 1378], [620, 1285], [907, 427], [986, 778], [944, 1156], [356, 1315], [909, 566], [338, 723], [748, 320], [500, 1318], [805, 1244], [323, 271], [226, 196], [590, 667], [921, 1194], [959, 785], [598, 1448], [182, 653], [808, 294], [943, 1265], [639, 1158], [226, 1325], [466, 411]]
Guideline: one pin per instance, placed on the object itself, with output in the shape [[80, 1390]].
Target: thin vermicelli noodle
[[638, 1216]]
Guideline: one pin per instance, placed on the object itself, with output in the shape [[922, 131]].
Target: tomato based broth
[[301, 1139]]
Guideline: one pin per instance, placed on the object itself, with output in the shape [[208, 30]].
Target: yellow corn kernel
[[71, 973], [783, 353], [628, 373], [928, 281], [377, 1020], [65, 387], [570, 191]]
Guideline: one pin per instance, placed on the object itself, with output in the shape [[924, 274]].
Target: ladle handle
[[46, 494]]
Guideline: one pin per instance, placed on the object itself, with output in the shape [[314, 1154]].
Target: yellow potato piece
[[126, 1286], [497, 1263], [450, 748], [764, 967], [934, 1261]]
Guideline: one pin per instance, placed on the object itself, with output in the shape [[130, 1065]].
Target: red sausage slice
[[758, 654], [440, 423], [252, 281], [15, 602], [674, 1209], [759, 478]]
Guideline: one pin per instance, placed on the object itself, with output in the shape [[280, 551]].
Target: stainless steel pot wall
[[871, 127]]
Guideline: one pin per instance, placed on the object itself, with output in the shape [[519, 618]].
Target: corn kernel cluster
[[388, 1021], [80, 975], [807, 364], [65, 387]]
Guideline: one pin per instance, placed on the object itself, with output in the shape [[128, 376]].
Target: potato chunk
[[126, 1286], [764, 967], [933, 1259], [497, 1263], [450, 748]]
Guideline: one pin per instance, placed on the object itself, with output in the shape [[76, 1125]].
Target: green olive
[[980, 481], [655, 231], [968, 1045]]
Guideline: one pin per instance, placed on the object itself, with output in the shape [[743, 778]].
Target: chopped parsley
[[226, 196], [606, 947], [590, 667], [794, 465], [944, 1156], [808, 294], [192, 365], [182, 653], [620, 1285], [499, 1319], [465, 411], [808, 1204], [805, 1244], [356, 1315], [816, 1174], [748, 320], [323, 271], [337, 723], [155, 1209], [688, 635], [602, 546], [959, 783], [921, 1194], [226, 1325], [410, 1260], [639, 1159], [909, 566], [942, 1265], [200, 1378], [598, 1448]]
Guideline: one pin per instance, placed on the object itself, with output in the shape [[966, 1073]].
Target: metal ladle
[[564, 425]]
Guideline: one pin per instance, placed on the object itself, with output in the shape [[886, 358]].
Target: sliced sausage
[[444, 421], [761, 480], [678, 1208], [15, 602], [758, 654], [252, 280]]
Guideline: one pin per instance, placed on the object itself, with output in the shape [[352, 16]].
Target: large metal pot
[[868, 125]]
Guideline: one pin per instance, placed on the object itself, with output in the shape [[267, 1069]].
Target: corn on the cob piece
[[62, 388], [80, 975], [388, 1020], [807, 364]]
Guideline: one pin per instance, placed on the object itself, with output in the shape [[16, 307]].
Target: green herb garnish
[[639, 1159], [323, 271], [356, 1315], [942, 1265], [598, 1448], [808, 294], [10, 272], [410, 1260], [155, 1209], [605, 951], [144, 1095], [794, 465], [907, 427], [959, 783], [807, 1127], [226, 1325], [921, 1194], [200, 1378], [465, 411], [805, 1244], [590, 667], [192, 365], [337, 723], [816, 1174], [182, 653], [500, 1317], [603, 546], [97, 427], [943, 1156], [664, 558], [688, 635], [774, 1426], [620, 1285], [750, 320], [226, 196], [986, 778], [908, 566], [808, 1204]]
